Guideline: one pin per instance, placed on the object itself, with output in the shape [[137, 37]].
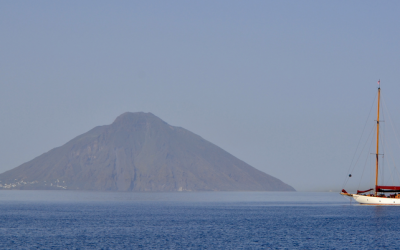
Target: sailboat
[[377, 195]]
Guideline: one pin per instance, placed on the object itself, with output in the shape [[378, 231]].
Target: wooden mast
[[377, 140]]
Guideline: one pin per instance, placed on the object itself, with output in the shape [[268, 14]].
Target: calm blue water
[[259, 220]]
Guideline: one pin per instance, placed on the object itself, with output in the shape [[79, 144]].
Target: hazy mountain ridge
[[139, 152]]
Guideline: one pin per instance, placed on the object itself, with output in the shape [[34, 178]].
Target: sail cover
[[388, 188], [360, 192]]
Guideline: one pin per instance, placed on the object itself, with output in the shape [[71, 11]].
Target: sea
[[193, 220]]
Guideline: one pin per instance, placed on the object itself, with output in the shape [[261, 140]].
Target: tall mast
[[377, 140]]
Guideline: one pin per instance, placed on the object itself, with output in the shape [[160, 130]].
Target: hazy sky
[[285, 86]]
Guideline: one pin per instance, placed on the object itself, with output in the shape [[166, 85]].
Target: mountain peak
[[129, 119], [133, 116]]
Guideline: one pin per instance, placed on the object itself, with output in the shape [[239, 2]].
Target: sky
[[285, 86]]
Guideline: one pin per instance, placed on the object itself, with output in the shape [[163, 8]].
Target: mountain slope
[[139, 152]]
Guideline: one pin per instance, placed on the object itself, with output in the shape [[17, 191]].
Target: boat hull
[[369, 200]]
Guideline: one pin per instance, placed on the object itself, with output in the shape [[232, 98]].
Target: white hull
[[369, 200]]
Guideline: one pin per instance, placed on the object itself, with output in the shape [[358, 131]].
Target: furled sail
[[360, 192], [388, 188]]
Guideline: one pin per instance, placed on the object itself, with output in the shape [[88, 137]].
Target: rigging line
[[383, 171], [396, 137], [391, 123], [365, 164], [395, 170], [383, 142], [392, 126], [392, 172], [386, 147], [362, 150], [358, 144], [366, 142], [371, 171]]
